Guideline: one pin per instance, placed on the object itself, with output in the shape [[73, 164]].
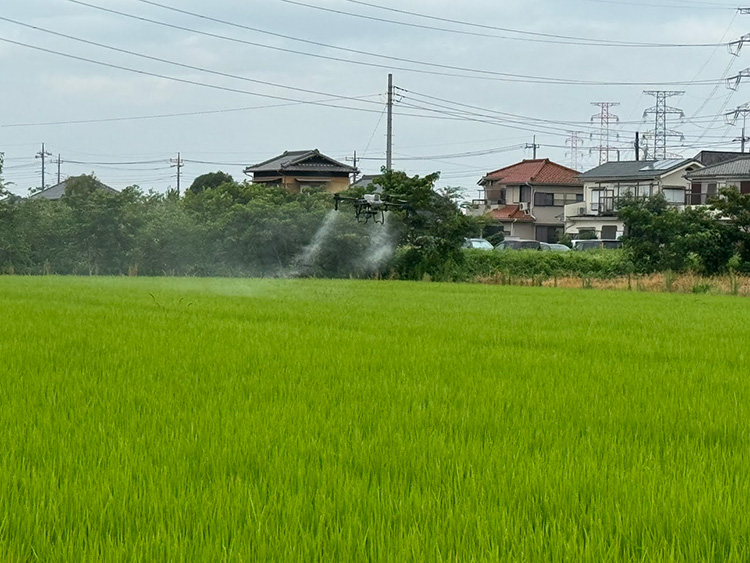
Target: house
[[296, 171], [706, 182], [605, 184], [366, 182], [58, 190], [528, 198]]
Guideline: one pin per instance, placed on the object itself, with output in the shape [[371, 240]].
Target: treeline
[[220, 227], [223, 228]]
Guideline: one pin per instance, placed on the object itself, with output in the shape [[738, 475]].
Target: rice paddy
[[305, 420]]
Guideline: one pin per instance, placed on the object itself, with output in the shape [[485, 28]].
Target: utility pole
[[533, 146], [43, 154], [59, 163], [575, 142], [661, 112], [605, 118], [389, 134], [178, 163], [731, 119]]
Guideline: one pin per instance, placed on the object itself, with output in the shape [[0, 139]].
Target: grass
[[242, 420]]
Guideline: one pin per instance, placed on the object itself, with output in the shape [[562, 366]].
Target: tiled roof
[[739, 167], [58, 190], [512, 213], [297, 161], [636, 169], [709, 158], [541, 171]]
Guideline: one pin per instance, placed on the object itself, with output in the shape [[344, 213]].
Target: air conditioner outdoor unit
[[523, 206]]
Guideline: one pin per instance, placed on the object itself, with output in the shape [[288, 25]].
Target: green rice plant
[[166, 419]]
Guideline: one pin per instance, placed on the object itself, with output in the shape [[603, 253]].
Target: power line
[[181, 80], [587, 40], [479, 74], [579, 42], [174, 63]]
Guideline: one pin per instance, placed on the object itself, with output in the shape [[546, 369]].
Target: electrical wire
[[181, 65], [477, 34], [586, 40], [479, 74], [181, 80]]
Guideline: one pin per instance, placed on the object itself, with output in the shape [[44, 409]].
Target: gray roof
[[300, 161], [739, 167], [709, 158], [635, 169], [366, 182], [58, 190]]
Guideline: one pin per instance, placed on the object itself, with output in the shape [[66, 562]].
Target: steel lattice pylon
[[661, 112]]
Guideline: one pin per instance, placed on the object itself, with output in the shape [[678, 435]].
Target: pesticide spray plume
[[305, 262], [382, 246]]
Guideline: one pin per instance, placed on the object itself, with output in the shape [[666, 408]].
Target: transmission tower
[[661, 112], [575, 142], [604, 118]]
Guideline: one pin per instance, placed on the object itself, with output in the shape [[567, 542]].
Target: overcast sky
[[232, 115]]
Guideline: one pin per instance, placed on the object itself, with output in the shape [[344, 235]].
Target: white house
[[605, 184]]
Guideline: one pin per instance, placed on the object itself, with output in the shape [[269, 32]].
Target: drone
[[371, 206]]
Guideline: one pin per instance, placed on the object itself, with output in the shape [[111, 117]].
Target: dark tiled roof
[[299, 161], [540, 171], [739, 167], [709, 158], [635, 169]]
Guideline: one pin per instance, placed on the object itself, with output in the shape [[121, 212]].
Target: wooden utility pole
[[43, 154], [178, 163], [389, 134]]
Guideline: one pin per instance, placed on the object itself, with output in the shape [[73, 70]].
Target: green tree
[[210, 181], [660, 237], [734, 207]]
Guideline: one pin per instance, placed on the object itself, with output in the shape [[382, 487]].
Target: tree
[[660, 237], [210, 181], [734, 207], [437, 228]]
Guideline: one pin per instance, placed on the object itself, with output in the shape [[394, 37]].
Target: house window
[[548, 234], [609, 232], [543, 199], [745, 187], [524, 194], [711, 190], [579, 198], [675, 196], [502, 200]]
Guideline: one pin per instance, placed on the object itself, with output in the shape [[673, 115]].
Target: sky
[[119, 87]]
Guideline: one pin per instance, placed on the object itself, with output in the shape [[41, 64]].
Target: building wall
[[332, 185], [519, 230], [575, 225]]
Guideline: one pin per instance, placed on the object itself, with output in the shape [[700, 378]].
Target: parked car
[[552, 247], [519, 244], [605, 244], [477, 243]]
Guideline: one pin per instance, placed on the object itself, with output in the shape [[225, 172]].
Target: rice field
[[304, 420]]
